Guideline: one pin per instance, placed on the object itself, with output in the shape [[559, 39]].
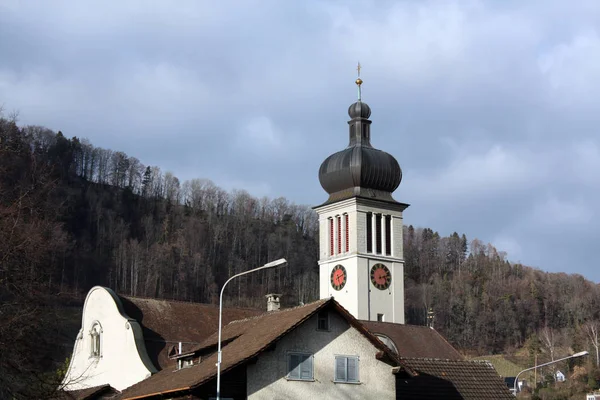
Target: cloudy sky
[[491, 108]]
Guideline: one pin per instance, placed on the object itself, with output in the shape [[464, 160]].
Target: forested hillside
[[73, 216]]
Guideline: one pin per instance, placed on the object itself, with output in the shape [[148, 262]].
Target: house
[[510, 383], [559, 376], [350, 344], [314, 350], [593, 396], [136, 335], [295, 351]]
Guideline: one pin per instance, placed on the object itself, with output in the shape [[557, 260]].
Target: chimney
[[430, 318], [273, 302]]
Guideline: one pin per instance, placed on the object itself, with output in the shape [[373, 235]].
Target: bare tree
[[592, 332], [104, 157], [134, 174], [549, 340]]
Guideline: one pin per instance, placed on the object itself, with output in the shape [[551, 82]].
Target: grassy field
[[502, 365]]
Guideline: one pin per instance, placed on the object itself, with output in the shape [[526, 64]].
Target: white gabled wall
[[267, 377], [123, 360]]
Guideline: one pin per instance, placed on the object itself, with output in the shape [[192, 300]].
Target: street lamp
[[580, 354], [272, 264]]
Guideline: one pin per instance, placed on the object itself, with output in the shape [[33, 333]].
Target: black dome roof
[[360, 169], [359, 110], [361, 166]]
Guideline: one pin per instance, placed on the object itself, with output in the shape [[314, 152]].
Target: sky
[[492, 108]]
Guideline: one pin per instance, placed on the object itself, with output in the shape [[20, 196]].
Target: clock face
[[338, 277], [381, 276]]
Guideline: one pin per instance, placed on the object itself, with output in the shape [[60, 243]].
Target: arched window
[[388, 342], [96, 340]]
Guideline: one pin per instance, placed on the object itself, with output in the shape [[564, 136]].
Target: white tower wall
[[359, 296]]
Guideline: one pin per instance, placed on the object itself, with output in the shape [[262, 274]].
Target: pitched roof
[[414, 341], [166, 323], [501, 364], [96, 392], [452, 380], [245, 340]]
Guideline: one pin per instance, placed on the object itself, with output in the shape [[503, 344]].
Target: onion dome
[[359, 110], [360, 170]]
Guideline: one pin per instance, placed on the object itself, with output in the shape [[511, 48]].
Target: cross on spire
[[359, 81]]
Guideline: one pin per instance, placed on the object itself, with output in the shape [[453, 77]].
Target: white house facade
[[109, 348], [335, 363]]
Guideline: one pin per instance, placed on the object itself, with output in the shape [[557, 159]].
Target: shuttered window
[[369, 232], [300, 366], [323, 321], [331, 237], [378, 233], [388, 235], [347, 224], [346, 369], [339, 234]]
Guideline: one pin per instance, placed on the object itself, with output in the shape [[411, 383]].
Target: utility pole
[[535, 373]]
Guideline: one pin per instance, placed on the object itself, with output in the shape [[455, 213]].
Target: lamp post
[[580, 354], [272, 264]]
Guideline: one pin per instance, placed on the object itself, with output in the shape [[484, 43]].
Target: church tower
[[360, 226]]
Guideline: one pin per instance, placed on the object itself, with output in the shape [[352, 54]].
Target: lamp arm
[[543, 365], [268, 265]]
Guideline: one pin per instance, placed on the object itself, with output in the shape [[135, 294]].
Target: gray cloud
[[490, 108]]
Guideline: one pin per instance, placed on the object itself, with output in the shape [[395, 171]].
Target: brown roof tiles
[[451, 380], [415, 341], [92, 393], [166, 323]]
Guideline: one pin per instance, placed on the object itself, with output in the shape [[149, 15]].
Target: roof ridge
[[446, 359], [276, 312], [397, 323], [208, 305]]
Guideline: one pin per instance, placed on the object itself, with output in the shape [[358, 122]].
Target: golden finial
[[358, 80]]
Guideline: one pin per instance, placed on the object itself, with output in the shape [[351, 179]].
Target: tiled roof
[[413, 341], [452, 380], [245, 340], [501, 364], [166, 323], [92, 393]]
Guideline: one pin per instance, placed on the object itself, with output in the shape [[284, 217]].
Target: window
[[378, 233], [339, 234], [388, 235], [346, 369], [331, 236], [380, 318], [300, 366], [347, 233], [369, 232], [95, 336], [323, 321], [388, 342]]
